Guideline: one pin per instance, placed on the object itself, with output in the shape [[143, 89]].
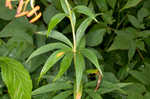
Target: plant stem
[[72, 26]]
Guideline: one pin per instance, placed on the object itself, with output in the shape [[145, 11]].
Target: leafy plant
[[74, 49]]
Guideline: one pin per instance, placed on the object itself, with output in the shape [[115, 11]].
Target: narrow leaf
[[63, 95], [81, 29], [53, 58], [84, 10], [16, 78], [79, 67], [55, 20], [52, 87], [65, 63], [89, 54], [58, 36], [132, 49], [46, 48]]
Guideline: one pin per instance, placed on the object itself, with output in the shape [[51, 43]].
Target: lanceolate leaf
[[54, 21], [92, 57], [52, 87], [63, 95], [65, 63], [16, 78], [131, 3], [79, 68], [84, 10], [58, 36], [81, 29], [46, 48], [64, 6], [53, 58]]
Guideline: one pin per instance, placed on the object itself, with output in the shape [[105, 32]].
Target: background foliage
[[118, 34]]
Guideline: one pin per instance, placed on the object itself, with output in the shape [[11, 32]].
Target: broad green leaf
[[19, 28], [58, 36], [140, 44], [142, 13], [132, 50], [108, 17], [147, 95], [134, 95], [102, 4], [63, 95], [16, 78], [52, 87], [131, 3], [112, 3], [55, 20], [5, 13], [135, 22], [93, 95], [143, 34], [81, 29], [123, 39], [89, 54], [49, 12], [53, 58], [84, 10], [95, 37], [64, 65], [142, 76], [46, 48], [79, 69]]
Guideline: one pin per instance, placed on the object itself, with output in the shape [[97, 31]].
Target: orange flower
[[8, 4], [33, 11], [21, 14], [36, 18], [19, 9]]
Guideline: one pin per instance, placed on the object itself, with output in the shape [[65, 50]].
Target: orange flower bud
[[36, 18], [33, 11], [19, 9], [21, 14], [8, 4]]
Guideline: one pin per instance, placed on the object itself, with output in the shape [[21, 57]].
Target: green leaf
[[53, 58], [65, 63], [142, 76], [84, 10], [108, 17], [52, 87], [58, 36], [64, 6], [134, 95], [5, 13], [55, 20], [16, 78], [89, 54], [93, 95], [147, 95], [81, 29], [142, 13], [123, 39], [46, 48], [95, 37], [63, 95], [112, 3], [132, 50], [102, 4], [49, 12], [131, 3], [135, 22], [79, 68]]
